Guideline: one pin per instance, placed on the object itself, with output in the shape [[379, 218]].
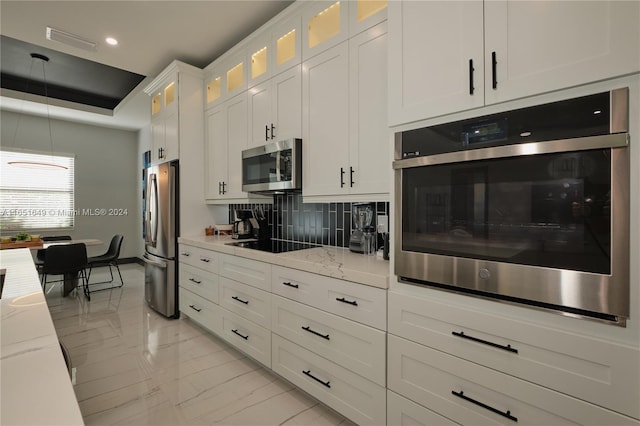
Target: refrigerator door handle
[[152, 213], [148, 260]]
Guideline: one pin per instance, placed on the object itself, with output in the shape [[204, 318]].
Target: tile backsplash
[[327, 224]]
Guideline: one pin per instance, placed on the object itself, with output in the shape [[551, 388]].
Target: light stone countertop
[[35, 388], [333, 262]]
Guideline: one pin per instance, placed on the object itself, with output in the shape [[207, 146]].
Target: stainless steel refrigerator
[[160, 230]]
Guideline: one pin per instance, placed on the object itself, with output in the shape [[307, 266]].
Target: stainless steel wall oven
[[528, 206]]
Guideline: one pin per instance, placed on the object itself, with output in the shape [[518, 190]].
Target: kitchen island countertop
[[335, 262], [35, 384]]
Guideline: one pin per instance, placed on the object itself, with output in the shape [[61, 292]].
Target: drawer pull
[[350, 302], [195, 281], [205, 260], [485, 342], [194, 308], [236, 332], [291, 285], [246, 302], [308, 373], [485, 406], [324, 336], [186, 254]]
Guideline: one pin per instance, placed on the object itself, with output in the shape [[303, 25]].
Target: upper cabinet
[[452, 56], [166, 105], [325, 25], [225, 78], [275, 49], [364, 14]]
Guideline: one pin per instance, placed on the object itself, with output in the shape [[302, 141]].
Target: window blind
[[35, 198]]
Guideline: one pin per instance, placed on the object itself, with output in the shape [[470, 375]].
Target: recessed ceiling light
[[112, 41]]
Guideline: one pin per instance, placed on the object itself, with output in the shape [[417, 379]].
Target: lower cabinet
[[247, 336], [350, 394], [468, 393], [403, 412], [200, 310]]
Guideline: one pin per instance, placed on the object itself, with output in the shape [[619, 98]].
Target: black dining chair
[[39, 261], [69, 260], [110, 259]]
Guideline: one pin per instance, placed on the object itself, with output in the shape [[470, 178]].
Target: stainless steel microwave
[[529, 206], [272, 168]]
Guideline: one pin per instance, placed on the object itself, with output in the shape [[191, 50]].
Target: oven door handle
[[617, 140]]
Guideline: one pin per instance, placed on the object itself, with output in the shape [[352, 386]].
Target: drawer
[[402, 412], [351, 395], [588, 368], [357, 302], [355, 346], [250, 302], [248, 337], [200, 310], [247, 271], [469, 393], [199, 257], [199, 281]]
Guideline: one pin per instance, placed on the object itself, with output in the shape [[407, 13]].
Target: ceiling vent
[[70, 39]]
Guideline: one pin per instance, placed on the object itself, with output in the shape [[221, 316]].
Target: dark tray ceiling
[[69, 78]]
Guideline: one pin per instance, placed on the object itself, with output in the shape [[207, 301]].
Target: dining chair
[[110, 259], [39, 261], [69, 260]]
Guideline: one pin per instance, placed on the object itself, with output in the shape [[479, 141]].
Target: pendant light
[[42, 165]]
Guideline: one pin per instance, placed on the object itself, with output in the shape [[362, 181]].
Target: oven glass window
[[270, 167], [550, 210]]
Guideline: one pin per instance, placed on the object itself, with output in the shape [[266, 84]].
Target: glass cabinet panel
[[259, 62], [169, 94], [367, 8], [156, 104], [214, 89], [286, 47], [235, 77], [324, 25]]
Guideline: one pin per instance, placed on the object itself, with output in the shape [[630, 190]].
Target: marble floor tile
[[135, 367]]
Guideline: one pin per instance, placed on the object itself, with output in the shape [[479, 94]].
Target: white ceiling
[[151, 34]]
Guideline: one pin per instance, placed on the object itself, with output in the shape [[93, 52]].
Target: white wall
[[107, 173]]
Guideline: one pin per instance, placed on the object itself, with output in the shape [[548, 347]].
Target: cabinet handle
[[205, 260], [308, 373], [494, 70], [266, 133], [471, 70], [351, 172], [224, 191], [272, 131], [484, 342], [291, 285], [506, 414], [186, 254], [341, 177], [195, 281], [219, 188], [324, 336], [246, 302], [194, 308], [350, 302], [236, 332]]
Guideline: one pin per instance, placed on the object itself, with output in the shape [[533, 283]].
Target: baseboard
[[123, 260]]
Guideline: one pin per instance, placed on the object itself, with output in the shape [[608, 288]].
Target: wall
[[106, 172]]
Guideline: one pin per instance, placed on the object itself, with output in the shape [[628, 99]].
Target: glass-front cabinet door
[[364, 14], [325, 25]]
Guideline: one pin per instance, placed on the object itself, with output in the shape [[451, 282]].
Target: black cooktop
[[273, 246]]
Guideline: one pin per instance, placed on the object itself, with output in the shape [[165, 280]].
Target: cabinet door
[[236, 142], [548, 45], [431, 44], [216, 152], [370, 141], [287, 44], [325, 122], [286, 109], [259, 59], [364, 14], [170, 150], [260, 117], [157, 139], [325, 25]]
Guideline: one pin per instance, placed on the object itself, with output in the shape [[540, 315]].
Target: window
[[34, 198]]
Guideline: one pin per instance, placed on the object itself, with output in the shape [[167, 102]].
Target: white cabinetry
[[345, 135], [275, 108], [452, 56], [539, 375], [170, 96]]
